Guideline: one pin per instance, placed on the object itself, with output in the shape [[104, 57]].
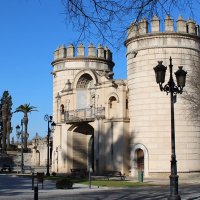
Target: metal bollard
[[89, 181], [33, 181], [140, 177], [35, 193]]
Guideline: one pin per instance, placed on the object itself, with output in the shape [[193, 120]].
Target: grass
[[7, 172], [105, 183], [114, 183], [95, 182]]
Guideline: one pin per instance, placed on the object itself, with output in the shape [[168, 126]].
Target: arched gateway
[[83, 147], [92, 125]]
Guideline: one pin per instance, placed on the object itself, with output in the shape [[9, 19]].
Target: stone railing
[[87, 114]]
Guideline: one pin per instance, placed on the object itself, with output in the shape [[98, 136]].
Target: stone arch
[[134, 150], [82, 146], [83, 81], [84, 85], [72, 127], [37, 158], [111, 100], [111, 108], [82, 72], [60, 110], [127, 107], [114, 95]]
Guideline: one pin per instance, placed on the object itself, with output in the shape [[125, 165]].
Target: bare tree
[[107, 20], [191, 93]]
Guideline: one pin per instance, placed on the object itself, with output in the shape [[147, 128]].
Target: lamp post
[[49, 119], [173, 89], [18, 135]]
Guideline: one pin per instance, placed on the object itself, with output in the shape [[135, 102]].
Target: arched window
[[113, 102], [62, 108], [127, 108], [84, 91], [83, 81], [126, 103], [112, 107]]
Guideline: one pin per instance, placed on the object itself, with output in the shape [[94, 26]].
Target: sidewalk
[[166, 181], [13, 187], [154, 181]]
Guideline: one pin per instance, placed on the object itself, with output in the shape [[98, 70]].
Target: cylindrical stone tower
[[66, 66], [149, 108], [76, 103]]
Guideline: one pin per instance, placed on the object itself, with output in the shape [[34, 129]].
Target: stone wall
[[14, 158], [149, 111]]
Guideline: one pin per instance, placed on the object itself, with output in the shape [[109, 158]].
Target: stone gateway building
[[124, 124]]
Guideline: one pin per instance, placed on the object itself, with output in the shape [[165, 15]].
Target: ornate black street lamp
[[18, 135], [49, 119], [171, 88]]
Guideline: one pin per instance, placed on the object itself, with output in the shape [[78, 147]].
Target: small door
[[140, 160]]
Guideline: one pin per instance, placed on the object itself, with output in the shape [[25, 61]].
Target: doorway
[[140, 160], [83, 147]]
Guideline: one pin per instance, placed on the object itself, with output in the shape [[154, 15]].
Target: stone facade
[[39, 151], [110, 124]]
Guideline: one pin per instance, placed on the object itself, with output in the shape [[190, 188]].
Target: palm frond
[[26, 108]]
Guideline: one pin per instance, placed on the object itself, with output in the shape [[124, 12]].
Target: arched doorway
[[140, 160], [83, 147]]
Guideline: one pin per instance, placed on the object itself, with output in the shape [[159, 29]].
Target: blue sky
[[30, 32]]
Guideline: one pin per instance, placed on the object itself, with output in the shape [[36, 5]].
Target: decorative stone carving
[[58, 96], [67, 86]]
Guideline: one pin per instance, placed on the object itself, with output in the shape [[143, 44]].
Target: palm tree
[[26, 108]]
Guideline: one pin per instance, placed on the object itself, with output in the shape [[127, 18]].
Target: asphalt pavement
[[13, 187]]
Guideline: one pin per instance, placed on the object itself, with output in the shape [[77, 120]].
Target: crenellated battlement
[[141, 28], [69, 52]]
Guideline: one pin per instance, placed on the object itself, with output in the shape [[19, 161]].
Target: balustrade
[[87, 114]]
